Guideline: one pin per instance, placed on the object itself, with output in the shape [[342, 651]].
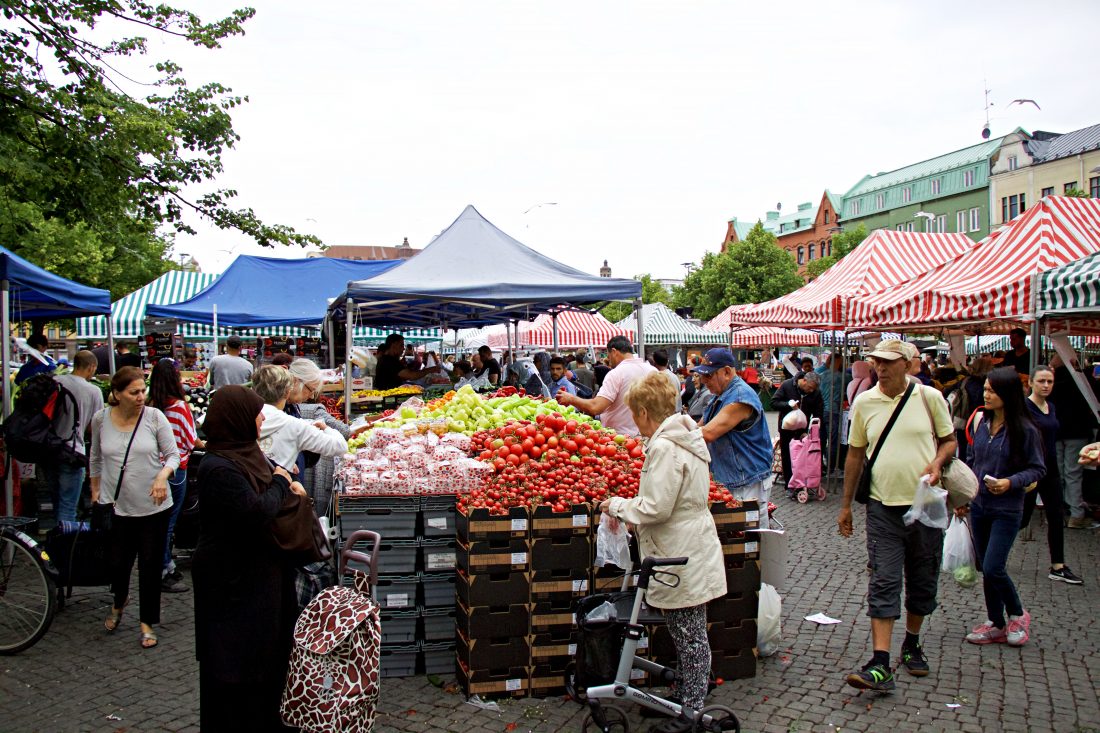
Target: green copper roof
[[958, 159]]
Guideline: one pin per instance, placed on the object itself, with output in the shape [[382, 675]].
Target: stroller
[[806, 465]]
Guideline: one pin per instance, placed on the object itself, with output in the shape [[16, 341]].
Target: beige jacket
[[673, 517]]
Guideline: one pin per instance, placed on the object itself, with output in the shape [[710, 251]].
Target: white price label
[[751, 547], [519, 525], [513, 685], [397, 600], [519, 558], [580, 520], [440, 561], [580, 585], [637, 674], [572, 649], [643, 642], [574, 619], [752, 516], [437, 522]]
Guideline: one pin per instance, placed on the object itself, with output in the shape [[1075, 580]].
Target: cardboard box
[[553, 646], [738, 549], [547, 681], [493, 683], [484, 589], [493, 652], [545, 522], [563, 584], [549, 616], [733, 665], [732, 635], [478, 524], [738, 519], [493, 556], [735, 607], [559, 553], [742, 577], [484, 622]]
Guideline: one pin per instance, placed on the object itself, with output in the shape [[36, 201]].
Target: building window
[[907, 194], [879, 200], [812, 249], [975, 219], [941, 223], [909, 227], [1048, 191], [901, 227], [855, 208], [1013, 163], [826, 216], [1023, 203], [1094, 187], [801, 255], [960, 221], [1066, 188], [935, 186], [827, 248], [968, 178]]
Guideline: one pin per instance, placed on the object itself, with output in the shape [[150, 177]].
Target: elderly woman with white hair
[[282, 436]]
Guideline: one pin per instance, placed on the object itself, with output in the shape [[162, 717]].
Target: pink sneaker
[[987, 633], [1017, 629]]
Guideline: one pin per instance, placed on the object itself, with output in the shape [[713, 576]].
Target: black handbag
[[863, 488], [103, 515]]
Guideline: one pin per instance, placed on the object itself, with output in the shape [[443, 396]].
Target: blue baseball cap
[[715, 359]]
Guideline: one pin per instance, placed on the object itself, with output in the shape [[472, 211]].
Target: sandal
[[114, 618], [148, 639]]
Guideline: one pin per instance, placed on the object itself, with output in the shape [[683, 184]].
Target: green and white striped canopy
[[662, 327], [1072, 289]]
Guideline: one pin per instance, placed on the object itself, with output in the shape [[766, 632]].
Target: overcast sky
[[649, 125]]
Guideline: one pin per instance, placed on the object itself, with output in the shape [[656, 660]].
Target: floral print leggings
[[688, 628]]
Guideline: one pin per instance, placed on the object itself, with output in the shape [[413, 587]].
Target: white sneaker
[[1017, 629]]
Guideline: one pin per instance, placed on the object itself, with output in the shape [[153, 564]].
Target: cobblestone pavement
[[80, 679]]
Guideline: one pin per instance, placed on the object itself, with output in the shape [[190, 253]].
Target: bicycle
[[588, 680], [28, 588]]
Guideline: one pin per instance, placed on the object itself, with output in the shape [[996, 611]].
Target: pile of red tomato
[[557, 462]]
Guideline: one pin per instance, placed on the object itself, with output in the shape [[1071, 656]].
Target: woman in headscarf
[[245, 603]]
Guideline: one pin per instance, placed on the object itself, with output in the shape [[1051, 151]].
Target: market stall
[[575, 330], [663, 327], [28, 291]]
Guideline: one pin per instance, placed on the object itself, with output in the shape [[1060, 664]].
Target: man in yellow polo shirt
[[920, 442]]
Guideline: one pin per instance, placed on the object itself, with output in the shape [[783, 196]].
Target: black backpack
[[30, 433]]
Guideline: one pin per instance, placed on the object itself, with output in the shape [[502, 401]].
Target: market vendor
[[490, 367], [391, 370], [736, 432]]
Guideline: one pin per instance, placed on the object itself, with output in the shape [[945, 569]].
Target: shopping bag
[[768, 631], [612, 546], [958, 553], [929, 506], [795, 420]]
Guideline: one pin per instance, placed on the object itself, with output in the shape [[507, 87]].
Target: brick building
[[805, 232]]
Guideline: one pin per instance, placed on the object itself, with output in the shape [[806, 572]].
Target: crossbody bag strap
[[931, 421], [126, 457], [889, 426]]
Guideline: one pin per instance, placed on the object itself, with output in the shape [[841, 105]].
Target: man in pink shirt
[[608, 403]]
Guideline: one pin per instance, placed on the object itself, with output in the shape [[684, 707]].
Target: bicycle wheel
[[27, 596]]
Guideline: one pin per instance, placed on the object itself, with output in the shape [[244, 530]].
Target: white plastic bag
[[768, 631], [795, 420], [929, 506], [612, 546], [958, 554]]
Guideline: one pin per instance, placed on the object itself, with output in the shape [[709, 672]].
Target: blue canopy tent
[[473, 274], [28, 291]]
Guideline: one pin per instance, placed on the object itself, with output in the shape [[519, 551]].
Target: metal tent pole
[[331, 328], [215, 315], [641, 327], [1036, 344], [5, 354], [349, 307], [731, 336], [554, 323], [111, 342]]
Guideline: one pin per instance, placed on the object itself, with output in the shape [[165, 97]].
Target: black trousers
[[785, 438], [140, 538], [1050, 488]]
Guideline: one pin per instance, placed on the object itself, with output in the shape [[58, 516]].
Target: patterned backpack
[[332, 684]]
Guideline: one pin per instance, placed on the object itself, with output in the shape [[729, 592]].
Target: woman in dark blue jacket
[[1007, 457]]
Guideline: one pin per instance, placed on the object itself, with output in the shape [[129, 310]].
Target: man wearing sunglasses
[[736, 432]]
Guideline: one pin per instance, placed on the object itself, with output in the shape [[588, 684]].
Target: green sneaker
[[915, 661], [872, 677]]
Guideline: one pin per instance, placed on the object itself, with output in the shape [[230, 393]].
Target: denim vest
[[744, 454]]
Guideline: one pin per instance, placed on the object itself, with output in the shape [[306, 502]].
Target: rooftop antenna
[[985, 130]]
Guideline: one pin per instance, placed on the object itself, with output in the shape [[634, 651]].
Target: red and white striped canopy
[[726, 318], [993, 280], [576, 329], [885, 259], [763, 336]]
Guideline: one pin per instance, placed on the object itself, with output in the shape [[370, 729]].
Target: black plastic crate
[[439, 657], [438, 522], [437, 503], [437, 590], [437, 554], [438, 624], [398, 661], [399, 627], [397, 557], [393, 518], [397, 591]]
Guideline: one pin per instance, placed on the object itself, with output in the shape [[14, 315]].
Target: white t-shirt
[[283, 437], [615, 384]]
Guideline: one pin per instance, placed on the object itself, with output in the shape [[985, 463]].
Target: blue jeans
[[64, 482], [994, 532], [177, 484]]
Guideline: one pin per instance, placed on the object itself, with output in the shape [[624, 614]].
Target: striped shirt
[[183, 428]]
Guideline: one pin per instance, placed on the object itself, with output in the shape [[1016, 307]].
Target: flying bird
[[1025, 101]]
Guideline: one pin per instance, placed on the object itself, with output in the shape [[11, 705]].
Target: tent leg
[[214, 313], [349, 307], [1036, 345], [641, 327], [331, 342], [554, 323], [5, 354], [110, 343]]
